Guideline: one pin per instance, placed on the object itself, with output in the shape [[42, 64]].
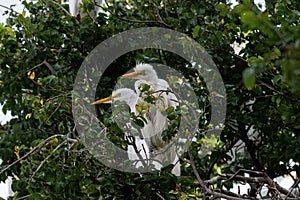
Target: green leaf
[[196, 31], [139, 122], [250, 18], [249, 78], [36, 196]]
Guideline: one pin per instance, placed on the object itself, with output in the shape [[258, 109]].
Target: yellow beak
[[132, 74], [101, 101]]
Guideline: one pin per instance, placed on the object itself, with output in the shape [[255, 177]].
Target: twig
[[263, 178], [228, 177], [47, 158], [246, 171], [145, 21], [54, 111], [160, 196], [234, 194], [138, 21], [161, 20], [6, 7], [43, 63], [63, 9], [46, 141], [237, 56], [293, 186], [132, 142], [202, 183], [279, 92], [24, 197]]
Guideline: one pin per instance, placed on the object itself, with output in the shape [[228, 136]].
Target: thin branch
[[234, 194], [293, 186], [54, 111], [60, 6], [49, 67], [228, 177], [48, 157], [191, 162], [24, 197], [161, 197], [145, 21], [279, 92], [275, 188], [136, 21], [34, 150], [237, 56], [246, 171], [43, 63], [131, 139], [5, 7], [161, 20], [202, 183]]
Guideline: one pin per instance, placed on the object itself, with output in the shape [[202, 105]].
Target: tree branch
[[260, 178], [34, 150], [137, 21], [43, 63], [206, 190], [47, 158]]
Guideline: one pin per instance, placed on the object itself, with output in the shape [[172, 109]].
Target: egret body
[[130, 98], [157, 122]]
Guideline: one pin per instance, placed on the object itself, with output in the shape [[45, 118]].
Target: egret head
[[144, 72]]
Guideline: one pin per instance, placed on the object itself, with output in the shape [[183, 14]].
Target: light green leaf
[[196, 31], [249, 78]]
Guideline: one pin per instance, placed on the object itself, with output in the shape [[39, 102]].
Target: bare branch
[[203, 185], [24, 197], [54, 111], [34, 150], [228, 177], [47, 158], [137, 21], [161, 197], [62, 8], [260, 178], [43, 63]]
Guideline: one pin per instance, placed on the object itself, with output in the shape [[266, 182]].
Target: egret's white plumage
[[130, 98], [162, 151], [156, 121]]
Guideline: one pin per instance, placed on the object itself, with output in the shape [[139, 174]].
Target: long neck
[[132, 103]]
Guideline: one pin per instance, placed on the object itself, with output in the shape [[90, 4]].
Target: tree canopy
[[42, 49]]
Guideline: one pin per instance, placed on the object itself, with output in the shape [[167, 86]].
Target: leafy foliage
[[42, 48]]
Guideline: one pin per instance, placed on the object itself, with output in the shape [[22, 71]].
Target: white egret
[[146, 73], [75, 7], [130, 98], [157, 122]]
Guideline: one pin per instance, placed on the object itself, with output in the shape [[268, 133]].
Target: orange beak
[[132, 74], [101, 101]]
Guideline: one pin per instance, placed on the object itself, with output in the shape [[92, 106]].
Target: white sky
[[18, 7], [4, 118]]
